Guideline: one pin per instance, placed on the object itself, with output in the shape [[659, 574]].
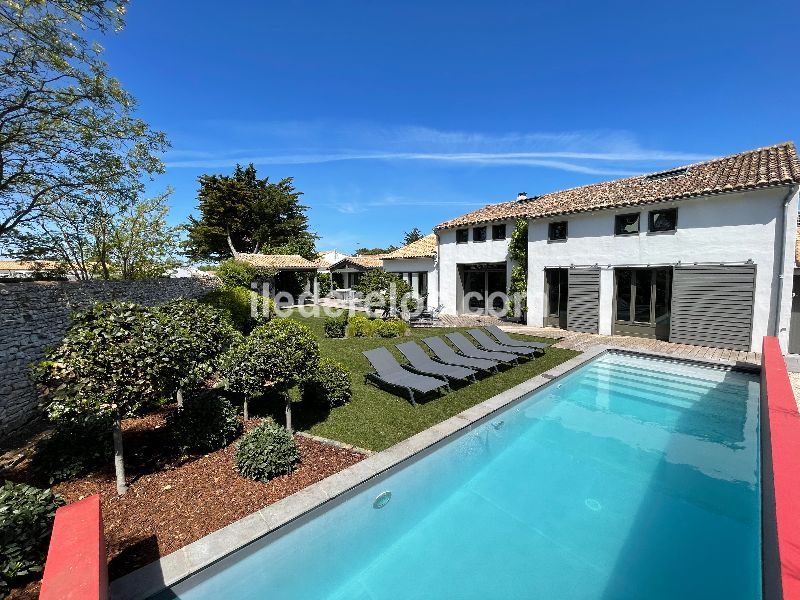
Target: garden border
[[181, 564]]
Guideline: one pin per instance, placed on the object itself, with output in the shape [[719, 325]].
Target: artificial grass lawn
[[376, 419]]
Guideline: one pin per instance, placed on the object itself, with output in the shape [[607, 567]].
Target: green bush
[[238, 302], [207, 422], [238, 273], [75, 447], [266, 451], [391, 328], [335, 327], [360, 326], [328, 385], [324, 282], [26, 521]]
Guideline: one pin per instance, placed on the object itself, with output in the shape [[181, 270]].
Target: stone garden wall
[[35, 315]]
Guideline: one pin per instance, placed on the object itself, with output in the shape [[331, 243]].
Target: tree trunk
[[179, 397], [246, 414], [289, 413], [230, 243], [119, 462]]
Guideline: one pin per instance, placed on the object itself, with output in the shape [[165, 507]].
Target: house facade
[[703, 254], [416, 264]]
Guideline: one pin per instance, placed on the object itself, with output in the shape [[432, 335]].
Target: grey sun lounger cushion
[[392, 373], [506, 339], [467, 348], [421, 362], [489, 343], [447, 355]]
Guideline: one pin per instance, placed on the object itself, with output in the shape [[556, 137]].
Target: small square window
[[498, 232], [462, 236], [663, 220], [626, 224], [557, 231], [479, 234]]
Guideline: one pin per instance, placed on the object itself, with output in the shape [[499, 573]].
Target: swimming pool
[[631, 477]]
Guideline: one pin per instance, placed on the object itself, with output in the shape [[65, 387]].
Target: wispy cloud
[[600, 153]]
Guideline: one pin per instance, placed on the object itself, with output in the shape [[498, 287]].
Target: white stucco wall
[[729, 228], [452, 254], [414, 266]]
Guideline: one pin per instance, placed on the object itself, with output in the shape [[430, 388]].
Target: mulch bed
[[172, 500]]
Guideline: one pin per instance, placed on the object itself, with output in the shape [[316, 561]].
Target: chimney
[[522, 196]]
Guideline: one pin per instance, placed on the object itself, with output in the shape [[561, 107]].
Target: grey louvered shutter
[[583, 304], [713, 305]]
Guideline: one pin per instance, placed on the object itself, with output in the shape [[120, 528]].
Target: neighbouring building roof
[[424, 248], [281, 262], [29, 265], [761, 168], [367, 261]]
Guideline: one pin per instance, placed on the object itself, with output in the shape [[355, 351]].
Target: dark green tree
[[412, 236], [241, 213]]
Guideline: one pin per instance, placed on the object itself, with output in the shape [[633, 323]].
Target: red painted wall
[[77, 567], [784, 444]]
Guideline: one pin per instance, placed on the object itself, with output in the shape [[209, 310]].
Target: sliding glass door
[[642, 302]]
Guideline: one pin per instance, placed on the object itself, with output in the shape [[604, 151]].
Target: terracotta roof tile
[[367, 261], [279, 261], [425, 247], [763, 167], [29, 265]]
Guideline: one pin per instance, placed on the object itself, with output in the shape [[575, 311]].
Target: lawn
[[376, 419]]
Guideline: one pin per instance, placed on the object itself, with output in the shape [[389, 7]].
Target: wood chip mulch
[[174, 501]]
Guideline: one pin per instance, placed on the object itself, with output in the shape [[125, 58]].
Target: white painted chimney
[[522, 196]]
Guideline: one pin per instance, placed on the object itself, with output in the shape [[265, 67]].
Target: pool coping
[[188, 560]]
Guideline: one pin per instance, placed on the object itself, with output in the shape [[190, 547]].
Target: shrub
[[391, 328], [75, 447], [239, 302], [324, 282], [335, 327], [266, 451], [238, 273], [26, 521], [328, 385], [360, 326], [385, 291], [207, 422]]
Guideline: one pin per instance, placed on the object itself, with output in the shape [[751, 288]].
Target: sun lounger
[[506, 339], [447, 355], [467, 348], [391, 373], [423, 364], [490, 344]]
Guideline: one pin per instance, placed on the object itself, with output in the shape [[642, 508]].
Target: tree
[[372, 251], [242, 213], [66, 127], [412, 236], [110, 362], [273, 358], [385, 291], [103, 236]]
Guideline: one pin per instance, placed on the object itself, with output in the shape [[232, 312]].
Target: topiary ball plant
[[328, 385], [75, 446], [391, 328], [335, 327], [26, 521], [266, 451], [360, 326], [207, 422]]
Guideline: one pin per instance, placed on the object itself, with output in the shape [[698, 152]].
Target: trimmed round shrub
[[391, 328], [238, 302], [207, 422], [26, 522], [335, 327], [328, 385], [266, 451], [360, 326], [74, 447]]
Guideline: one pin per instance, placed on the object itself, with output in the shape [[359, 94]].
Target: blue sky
[[393, 115]]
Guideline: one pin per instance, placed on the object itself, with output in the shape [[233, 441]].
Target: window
[[557, 231], [479, 234], [498, 232], [626, 224], [423, 283], [663, 220], [462, 236]]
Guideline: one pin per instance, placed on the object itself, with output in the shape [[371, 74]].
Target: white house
[[416, 264], [702, 254]]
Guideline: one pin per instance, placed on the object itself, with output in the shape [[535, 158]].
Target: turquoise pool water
[[633, 477]]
